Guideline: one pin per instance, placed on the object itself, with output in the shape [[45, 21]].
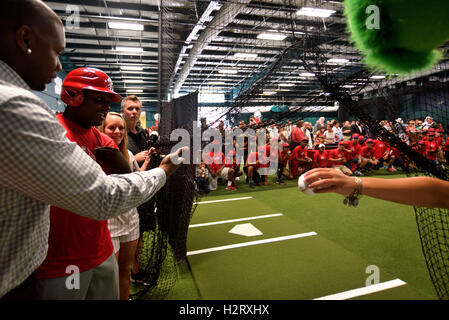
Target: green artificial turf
[[379, 232]]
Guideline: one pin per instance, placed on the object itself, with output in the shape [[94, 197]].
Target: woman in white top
[[124, 229], [330, 135]]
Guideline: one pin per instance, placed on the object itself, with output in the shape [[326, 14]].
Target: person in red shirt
[[367, 155], [75, 240], [215, 162], [297, 134], [231, 162], [284, 157], [431, 147], [420, 148], [382, 151], [299, 158], [251, 168], [362, 141], [321, 157], [337, 159], [353, 154], [265, 151]]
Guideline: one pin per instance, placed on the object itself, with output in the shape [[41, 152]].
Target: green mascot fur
[[399, 36]]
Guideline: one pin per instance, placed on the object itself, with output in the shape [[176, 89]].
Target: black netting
[[164, 220]]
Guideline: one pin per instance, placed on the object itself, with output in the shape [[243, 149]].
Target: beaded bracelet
[[352, 200]]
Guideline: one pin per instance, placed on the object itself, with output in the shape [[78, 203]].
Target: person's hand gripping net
[[173, 161]]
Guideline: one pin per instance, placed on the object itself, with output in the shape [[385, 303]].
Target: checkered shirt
[[40, 167]]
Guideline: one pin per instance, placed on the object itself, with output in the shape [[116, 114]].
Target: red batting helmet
[[85, 78]]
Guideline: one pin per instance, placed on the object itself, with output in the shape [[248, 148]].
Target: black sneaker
[[251, 185]]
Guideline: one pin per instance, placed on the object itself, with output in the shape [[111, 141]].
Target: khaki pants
[[99, 283]]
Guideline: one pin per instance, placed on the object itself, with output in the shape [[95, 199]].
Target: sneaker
[[237, 179], [251, 185], [392, 170], [385, 167], [231, 188], [358, 173]]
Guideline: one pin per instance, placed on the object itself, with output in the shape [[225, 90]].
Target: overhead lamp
[[228, 71], [133, 80], [378, 77], [216, 83], [269, 93], [286, 84], [315, 12], [245, 55], [131, 68], [307, 74], [337, 60], [349, 86], [271, 36], [134, 91], [129, 49], [125, 26]]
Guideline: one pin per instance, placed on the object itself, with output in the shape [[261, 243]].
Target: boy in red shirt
[[367, 155], [215, 162], [337, 159], [299, 158], [321, 157], [231, 162], [252, 166], [284, 158], [431, 147], [353, 154]]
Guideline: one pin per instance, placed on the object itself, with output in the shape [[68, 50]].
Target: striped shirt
[[39, 166]]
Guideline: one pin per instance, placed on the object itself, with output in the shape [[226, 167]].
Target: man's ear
[[24, 39]]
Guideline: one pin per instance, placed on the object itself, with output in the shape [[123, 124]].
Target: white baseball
[[303, 186]]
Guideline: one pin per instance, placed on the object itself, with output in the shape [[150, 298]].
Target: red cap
[[361, 137], [370, 141], [286, 145], [86, 78], [341, 143], [355, 135]]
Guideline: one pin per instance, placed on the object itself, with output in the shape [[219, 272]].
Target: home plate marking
[[246, 229]]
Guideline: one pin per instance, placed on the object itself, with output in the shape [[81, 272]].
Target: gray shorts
[[99, 283]]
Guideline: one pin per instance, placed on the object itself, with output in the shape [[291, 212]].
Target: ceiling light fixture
[[129, 49], [315, 12], [228, 71], [125, 26], [245, 55], [271, 36], [338, 60], [133, 80], [307, 74], [131, 68]]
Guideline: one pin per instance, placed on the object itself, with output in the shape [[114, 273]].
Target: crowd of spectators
[[347, 146]]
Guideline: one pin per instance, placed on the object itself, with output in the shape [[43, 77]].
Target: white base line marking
[[252, 243], [223, 200], [365, 290], [235, 220]]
